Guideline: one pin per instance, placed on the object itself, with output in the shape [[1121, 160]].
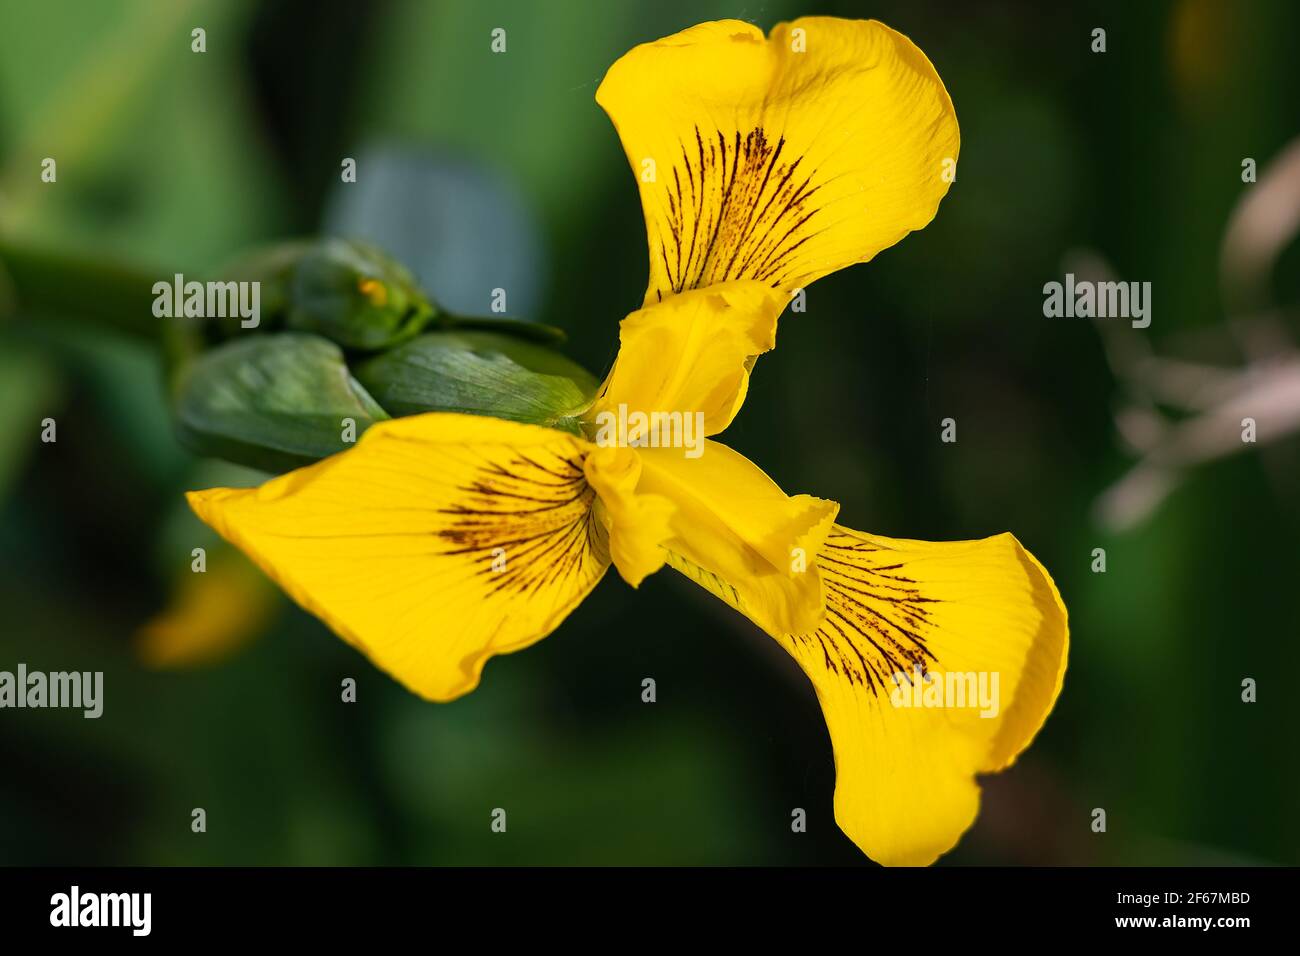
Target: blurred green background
[[501, 170]]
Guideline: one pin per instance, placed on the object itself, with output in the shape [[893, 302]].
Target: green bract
[[479, 373], [347, 338], [273, 402]]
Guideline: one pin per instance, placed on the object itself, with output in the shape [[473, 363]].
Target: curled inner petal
[[735, 525], [637, 524], [685, 361]]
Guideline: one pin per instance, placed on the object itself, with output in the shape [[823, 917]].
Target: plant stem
[[59, 285]]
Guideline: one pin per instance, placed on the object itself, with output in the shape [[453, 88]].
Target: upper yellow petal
[[734, 524], [784, 159], [972, 618], [686, 361], [437, 542]]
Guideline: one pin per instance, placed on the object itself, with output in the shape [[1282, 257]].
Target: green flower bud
[[340, 346], [354, 295]]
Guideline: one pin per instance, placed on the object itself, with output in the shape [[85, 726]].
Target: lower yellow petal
[[936, 661], [437, 542], [735, 525]]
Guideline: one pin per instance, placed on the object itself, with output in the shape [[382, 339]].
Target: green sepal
[[479, 373], [273, 402]]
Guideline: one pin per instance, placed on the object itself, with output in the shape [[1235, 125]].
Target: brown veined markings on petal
[[713, 583], [737, 208], [535, 512], [876, 617]]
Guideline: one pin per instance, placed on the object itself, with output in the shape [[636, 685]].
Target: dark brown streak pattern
[[711, 582], [876, 617], [536, 508], [737, 208]]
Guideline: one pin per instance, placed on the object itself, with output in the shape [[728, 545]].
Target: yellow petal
[[637, 524], [437, 542], [734, 525], [960, 612], [783, 159], [683, 364], [210, 615]]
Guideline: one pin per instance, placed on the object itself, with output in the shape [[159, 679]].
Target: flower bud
[[354, 295], [340, 346]]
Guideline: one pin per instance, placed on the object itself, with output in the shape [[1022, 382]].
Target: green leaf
[[478, 373], [29, 387], [112, 91], [274, 402]]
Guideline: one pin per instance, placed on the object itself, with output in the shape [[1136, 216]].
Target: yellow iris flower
[[443, 539]]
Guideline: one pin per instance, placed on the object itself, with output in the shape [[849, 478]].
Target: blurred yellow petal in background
[[210, 615]]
